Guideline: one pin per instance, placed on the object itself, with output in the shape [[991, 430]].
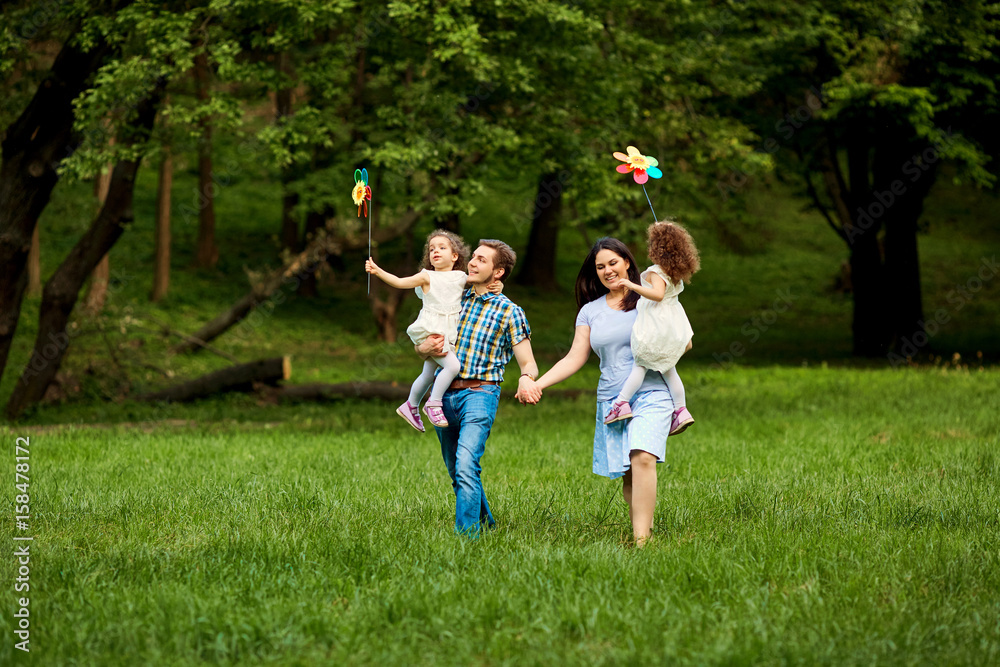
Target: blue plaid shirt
[[490, 327]]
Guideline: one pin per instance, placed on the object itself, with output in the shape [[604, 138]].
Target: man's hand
[[433, 346], [528, 392]]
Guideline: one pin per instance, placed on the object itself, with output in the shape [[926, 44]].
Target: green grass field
[[799, 521], [820, 511]]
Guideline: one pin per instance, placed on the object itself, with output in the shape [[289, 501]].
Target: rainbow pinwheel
[[361, 194], [642, 167]]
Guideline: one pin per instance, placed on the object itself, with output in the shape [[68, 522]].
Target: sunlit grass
[[809, 516]]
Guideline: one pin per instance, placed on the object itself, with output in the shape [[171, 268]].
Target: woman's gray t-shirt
[[610, 338]]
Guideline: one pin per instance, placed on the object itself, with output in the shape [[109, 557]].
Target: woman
[[628, 449]]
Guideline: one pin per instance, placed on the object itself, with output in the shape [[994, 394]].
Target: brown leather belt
[[469, 384]]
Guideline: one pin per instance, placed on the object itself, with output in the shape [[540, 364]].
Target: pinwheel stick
[[649, 202], [370, 244]]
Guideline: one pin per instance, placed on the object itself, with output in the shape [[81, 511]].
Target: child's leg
[[449, 369], [632, 384], [422, 383], [676, 387]]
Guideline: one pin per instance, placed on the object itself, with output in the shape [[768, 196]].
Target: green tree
[[864, 101], [38, 117]]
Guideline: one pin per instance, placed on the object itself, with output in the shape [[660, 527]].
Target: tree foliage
[[430, 94]]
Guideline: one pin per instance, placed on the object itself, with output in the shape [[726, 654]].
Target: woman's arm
[[654, 293], [419, 280], [574, 360]]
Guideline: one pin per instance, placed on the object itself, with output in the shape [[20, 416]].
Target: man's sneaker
[[619, 411], [681, 420], [411, 415], [434, 412]]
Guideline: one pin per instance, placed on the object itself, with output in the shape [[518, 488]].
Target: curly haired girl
[[440, 285], [661, 333]]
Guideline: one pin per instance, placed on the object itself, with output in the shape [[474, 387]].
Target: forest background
[[179, 169], [176, 222]]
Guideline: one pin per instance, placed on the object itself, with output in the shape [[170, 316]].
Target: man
[[492, 329]]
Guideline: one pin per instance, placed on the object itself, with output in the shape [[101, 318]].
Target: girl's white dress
[[661, 330], [442, 308]]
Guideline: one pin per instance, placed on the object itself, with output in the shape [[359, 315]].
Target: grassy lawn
[[811, 515]]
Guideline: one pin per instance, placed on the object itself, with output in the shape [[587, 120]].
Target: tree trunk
[[385, 311], [242, 377], [289, 222], [868, 325], [208, 252], [33, 146], [315, 221], [99, 279], [97, 293], [858, 227], [161, 257], [450, 222], [904, 201], [386, 391], [905, 310], [63, 288], [289, 199], [35, 265], [539, 266]]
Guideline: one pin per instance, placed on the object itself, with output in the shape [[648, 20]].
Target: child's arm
[[419, 280], [495, 287], [654, 293]]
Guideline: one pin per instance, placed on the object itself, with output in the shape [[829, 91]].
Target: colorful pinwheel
[[361, 194], [642, 167]]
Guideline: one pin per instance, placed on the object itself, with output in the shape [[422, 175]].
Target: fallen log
[[242, 377], [386, 391], [191, 339], [305, 261], [301, 265]]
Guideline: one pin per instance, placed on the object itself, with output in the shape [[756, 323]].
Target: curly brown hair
[[457, 245], [673, 249]]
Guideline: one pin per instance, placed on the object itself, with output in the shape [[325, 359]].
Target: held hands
[[528, 391]]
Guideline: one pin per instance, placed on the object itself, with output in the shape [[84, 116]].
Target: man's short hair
[[505, 256]]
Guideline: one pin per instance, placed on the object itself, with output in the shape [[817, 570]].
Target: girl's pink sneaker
[[619, 411], [411, 415], [681, 420], [434, 412]]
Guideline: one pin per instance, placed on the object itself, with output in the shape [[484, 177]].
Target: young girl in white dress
[[661, 333], [440, 285]]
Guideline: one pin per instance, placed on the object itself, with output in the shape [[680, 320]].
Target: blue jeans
[[470, 414]]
